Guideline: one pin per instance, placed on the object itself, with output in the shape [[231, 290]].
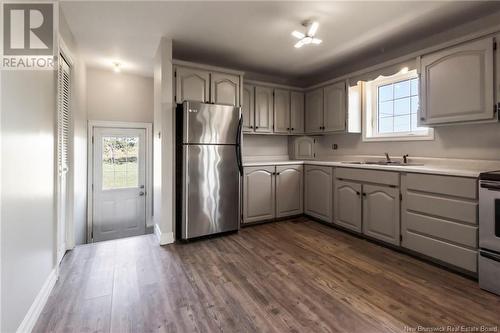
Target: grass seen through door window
[[120, 162]]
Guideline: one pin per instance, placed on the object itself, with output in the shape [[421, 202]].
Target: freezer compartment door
[[211, 190], [210, 123], [489, 271]]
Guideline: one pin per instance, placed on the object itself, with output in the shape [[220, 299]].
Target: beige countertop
[[441, 168]]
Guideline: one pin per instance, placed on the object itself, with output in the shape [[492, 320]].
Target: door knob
[[141, 193]]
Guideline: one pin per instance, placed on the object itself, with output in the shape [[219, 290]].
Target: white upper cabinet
[[318, 192], [258, 193], [225, 89], [347, 205], [334, 107], [381, 213], [192, 85], [296, 112], [289, 191], [203, 84], [281, 111], [457, 84], [314, 111], [264, 109], [248, 108]]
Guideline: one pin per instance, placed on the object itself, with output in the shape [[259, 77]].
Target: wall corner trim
[[164, 238], [36, 308]]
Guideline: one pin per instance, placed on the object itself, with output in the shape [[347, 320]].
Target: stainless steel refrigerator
[[208, 163]]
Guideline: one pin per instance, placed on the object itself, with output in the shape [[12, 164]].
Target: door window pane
[[120, 162]]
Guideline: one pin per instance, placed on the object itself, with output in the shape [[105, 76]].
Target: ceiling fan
[[308, 37]]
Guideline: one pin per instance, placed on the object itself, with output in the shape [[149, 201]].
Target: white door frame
[[90, 165]]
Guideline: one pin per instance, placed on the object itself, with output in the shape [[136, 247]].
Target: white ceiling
[[255, 36]]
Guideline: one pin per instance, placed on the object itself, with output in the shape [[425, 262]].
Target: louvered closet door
[[63, 130]]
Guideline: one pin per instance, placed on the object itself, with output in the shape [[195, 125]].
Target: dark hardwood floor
[[292, 276]]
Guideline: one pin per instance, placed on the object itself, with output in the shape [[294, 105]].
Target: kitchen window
[[391, 109]]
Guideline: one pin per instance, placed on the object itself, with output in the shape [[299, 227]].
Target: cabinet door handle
[[364, 194], [358, 193], [422, 118], [277, 173], [256, 127], [293, 128]]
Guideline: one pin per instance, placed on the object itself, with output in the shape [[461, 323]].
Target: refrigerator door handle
[[238, 147]]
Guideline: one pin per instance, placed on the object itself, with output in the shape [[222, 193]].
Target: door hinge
[[92, 139], [400, 197], [400, 238], [175, 74], [495, 108], [494, 45]]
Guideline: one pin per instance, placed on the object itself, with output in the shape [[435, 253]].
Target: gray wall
[[481, 141], [27, 193], [119, 96], [264, 146]]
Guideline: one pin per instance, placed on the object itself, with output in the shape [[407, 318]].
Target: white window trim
[[370, 102]]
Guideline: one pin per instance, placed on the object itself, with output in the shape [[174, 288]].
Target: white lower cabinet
[[272, 192], [439, 218], [258, 193], [381, 213], [318, 192], [347, 205], [289, 190], [368, 201]]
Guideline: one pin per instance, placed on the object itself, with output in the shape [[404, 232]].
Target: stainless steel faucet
[[387, 158]]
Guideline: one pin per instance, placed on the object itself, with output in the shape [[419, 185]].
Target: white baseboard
[[164, 238], [36, 308]]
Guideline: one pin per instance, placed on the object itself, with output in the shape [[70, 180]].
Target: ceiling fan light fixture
[[313, 29], [298, 35], [299, 44], [307, 38]]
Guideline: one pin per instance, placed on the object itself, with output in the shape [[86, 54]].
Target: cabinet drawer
[[368, 176], [456, 186], [443, 207], [452, 254], [446, 230]]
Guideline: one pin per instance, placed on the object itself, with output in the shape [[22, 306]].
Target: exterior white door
[[119, 179]]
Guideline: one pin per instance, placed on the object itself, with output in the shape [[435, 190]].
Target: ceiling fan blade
[[298, 35], [299, 44], [316, 41], [313, 29]]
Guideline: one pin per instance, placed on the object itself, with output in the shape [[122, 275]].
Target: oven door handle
[[490, 186], [489, 255]]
